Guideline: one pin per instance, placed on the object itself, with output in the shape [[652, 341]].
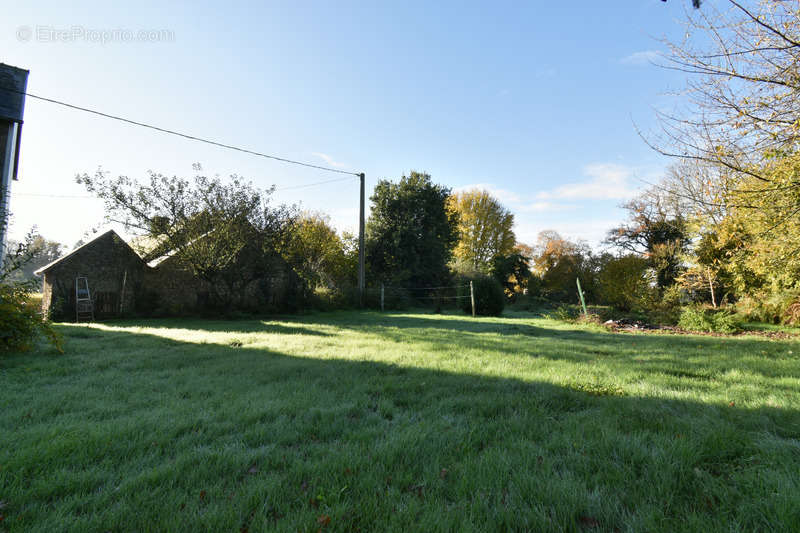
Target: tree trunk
[[711, 286]]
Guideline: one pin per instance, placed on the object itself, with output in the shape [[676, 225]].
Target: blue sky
[[535, 101]]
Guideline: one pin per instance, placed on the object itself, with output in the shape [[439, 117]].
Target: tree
[[624, 282], [40, 252], [512, 272], [744, 67], [558, 262], [410, 232], [485, 230], [737, 144], [656, 230], [225, 232], [318, 253]]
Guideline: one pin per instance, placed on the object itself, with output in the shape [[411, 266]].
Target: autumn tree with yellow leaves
[[485, 230]]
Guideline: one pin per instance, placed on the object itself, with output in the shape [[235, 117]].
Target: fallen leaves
[[324, 520]]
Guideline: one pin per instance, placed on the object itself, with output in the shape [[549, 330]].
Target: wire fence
[[385, 297]]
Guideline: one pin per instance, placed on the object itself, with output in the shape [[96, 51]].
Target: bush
[[624, 283], [567, 313], [773, 308], [700, 318], [667, 309], [20, 321], [490, 299]]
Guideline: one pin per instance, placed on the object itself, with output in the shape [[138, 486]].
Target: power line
[[86, 196], [179, 134], [311, 184]]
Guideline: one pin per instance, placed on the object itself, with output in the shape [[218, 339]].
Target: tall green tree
[[411, 232], [485, 230]]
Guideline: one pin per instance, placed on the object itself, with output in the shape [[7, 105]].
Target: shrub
[[700, 318], [667, 309], [772, 308], [792, 314], [567, 313], [624, 283], [20, 322], [490, 299], [326, 299]]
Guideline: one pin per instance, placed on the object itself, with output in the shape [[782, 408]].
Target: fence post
[[580, 293], [381, 297], [472, 297]]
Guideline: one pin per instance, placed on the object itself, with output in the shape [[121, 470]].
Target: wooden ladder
[[84, 307]]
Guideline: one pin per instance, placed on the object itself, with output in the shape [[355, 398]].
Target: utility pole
[[361, 283], [13, 84]]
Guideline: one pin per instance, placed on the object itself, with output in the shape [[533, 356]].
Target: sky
[[538, 102]]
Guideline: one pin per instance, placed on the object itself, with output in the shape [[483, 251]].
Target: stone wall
[[179, 292], [167, 289], [114, 272]]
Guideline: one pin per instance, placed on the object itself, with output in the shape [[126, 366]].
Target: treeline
[[719, 235]]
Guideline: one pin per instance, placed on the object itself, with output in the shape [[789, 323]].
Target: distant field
[[356, 421]]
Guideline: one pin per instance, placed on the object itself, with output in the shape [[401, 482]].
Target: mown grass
[[398, 422]]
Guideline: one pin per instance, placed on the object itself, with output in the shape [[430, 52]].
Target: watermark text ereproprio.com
[[75, 34]]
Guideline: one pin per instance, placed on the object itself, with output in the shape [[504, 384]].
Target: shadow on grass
[[679, 356], [269, 326], [654, 354], [527, 455]]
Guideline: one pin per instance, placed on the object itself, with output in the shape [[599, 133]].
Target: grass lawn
[[354, 421]]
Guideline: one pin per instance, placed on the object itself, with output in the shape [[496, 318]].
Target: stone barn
[[114, 271], [121, 282]]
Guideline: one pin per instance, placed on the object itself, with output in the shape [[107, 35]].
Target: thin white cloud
[[645, 57], [328, 159], [545, 207], [607, 181]]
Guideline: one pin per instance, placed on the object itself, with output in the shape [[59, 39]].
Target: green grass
[[399, 422], [766, 326]]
